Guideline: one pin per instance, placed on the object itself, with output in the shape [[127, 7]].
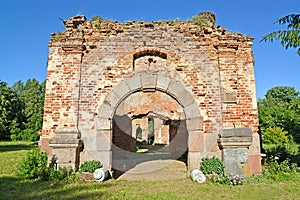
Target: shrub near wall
[[90, 166], [213, 169], [275, 136], [212, 166], [34, 166]]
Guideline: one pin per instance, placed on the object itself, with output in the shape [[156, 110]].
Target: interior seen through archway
[[148, 126]]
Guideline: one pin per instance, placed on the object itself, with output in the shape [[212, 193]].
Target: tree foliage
[[275, 136], [281, 108], [289, 38], [21, 110], [9, 109], [282, 94]]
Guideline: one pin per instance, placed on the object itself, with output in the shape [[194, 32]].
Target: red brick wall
[[85, 63]]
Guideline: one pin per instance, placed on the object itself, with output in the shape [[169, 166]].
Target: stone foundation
[[65, 148], [234, 144]]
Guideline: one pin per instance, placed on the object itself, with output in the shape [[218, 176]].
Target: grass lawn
[[14, 187]]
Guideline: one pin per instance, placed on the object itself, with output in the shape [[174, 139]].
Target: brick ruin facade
[[107, 81]]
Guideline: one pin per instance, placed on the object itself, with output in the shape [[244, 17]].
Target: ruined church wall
[[86, 63]]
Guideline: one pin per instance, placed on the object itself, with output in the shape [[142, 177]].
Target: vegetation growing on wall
[[96, 21], [203, 19]]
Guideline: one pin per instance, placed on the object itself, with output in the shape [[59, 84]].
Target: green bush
[[212, 166], [275, 136], [279, 171], [57, 174], [34, 165], [274, 171], [275, 149], [90, 166]]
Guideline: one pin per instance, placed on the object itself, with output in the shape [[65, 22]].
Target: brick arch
[[150, 52], [149, 82]]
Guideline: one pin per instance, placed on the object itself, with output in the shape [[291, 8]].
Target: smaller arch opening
[[149, 52]]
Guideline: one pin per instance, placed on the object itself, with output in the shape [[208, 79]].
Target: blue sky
[[26, 27]]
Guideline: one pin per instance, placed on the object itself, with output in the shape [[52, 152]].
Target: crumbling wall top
[[75, 21], [80, 29]]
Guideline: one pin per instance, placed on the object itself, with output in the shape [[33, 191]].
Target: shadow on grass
[[283, 152], [12, 187], [6, 146]]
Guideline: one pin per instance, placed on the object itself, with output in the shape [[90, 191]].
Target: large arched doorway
[[150, 117], [148, 126]]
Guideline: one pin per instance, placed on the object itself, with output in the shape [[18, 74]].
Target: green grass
[[11, 154], [14, 187]]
